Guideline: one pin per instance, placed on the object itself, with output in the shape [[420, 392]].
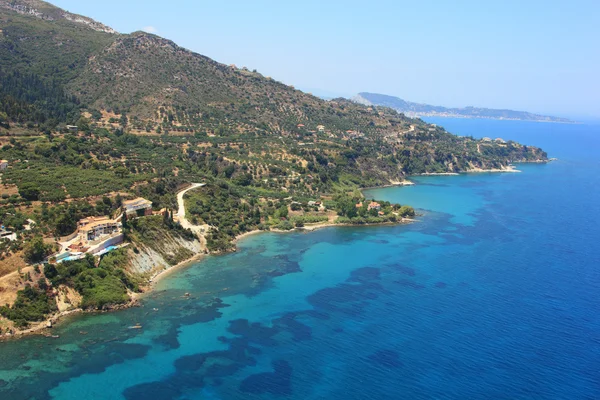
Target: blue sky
[[539, 56]]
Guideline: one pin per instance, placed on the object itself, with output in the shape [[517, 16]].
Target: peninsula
[[124, 155], [416, 110]]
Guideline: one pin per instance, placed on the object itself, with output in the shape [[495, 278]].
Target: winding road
[[199, 230], [181, 207]]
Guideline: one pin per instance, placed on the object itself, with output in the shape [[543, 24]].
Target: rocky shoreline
[[44, 327]]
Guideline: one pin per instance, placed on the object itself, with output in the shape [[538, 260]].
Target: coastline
[[43, 327], [459, 116], [508, 169], [320, 225], [306, 229], [405, 182], [479, 170]]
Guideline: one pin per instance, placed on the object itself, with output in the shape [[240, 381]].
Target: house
[[137, 207], [3, 165], [29, 225], [300, 125], [320, 128], [94, 228], [7, 235], [374, 206], [72, 128], [359, 205]]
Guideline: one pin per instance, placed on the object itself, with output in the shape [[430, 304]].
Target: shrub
[[285, 226], [32, 304]]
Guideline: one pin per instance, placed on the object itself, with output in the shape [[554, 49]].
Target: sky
[[537, 56]]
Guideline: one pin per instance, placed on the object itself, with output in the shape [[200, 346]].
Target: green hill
[[157, 110]]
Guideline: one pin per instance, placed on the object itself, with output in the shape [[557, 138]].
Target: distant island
[[411, 109]]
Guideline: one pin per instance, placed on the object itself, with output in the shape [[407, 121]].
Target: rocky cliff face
[[148, 259]]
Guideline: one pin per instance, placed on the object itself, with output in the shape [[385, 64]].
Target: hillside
[[425, 110], [90, 118]]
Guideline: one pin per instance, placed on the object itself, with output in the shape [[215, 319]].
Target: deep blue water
[[493, 294]]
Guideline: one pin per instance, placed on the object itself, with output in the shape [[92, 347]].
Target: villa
[[374, 206], [94, 228]]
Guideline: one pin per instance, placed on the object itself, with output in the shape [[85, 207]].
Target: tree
[[282, 212], [83, 124], [243, 179], [42, 284], [29, 191], [121, 172], [4, 120], [65, 224], [229, 170], [50, 271], [118, 201], [167, 218], [124, 221], [36, 250], [346, 206], [406, 211]]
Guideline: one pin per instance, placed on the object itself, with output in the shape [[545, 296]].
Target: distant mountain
[[411, 109]]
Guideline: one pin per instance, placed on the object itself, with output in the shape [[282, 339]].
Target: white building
[[136, 206]]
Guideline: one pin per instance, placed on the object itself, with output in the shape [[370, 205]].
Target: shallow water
[[493, 294]]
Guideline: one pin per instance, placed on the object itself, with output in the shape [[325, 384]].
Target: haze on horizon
[[539, 57]]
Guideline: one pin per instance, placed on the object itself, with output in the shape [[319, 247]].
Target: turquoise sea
[[493, 294]]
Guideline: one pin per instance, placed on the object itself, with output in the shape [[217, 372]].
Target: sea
[[494, 293]]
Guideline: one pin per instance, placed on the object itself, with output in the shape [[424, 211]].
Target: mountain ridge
[[413, 109], [143, 84], [46, 11]]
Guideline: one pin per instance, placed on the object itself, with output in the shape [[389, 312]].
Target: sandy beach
[[154, 279], [391, 184]]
